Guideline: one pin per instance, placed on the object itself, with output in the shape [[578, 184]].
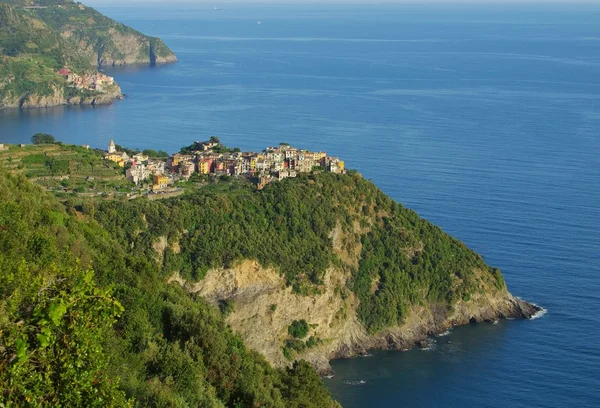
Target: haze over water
[[484, 119]]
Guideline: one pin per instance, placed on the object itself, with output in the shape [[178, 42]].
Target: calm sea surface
[[485, 120]]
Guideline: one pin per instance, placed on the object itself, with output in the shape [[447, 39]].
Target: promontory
[[51, 51], [231, 293]]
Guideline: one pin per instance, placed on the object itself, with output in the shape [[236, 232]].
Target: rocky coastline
[[401, 339], [58, 98], [255, 289]]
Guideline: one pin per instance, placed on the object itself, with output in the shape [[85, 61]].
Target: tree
[[214, 139], [155, 154], [42, 138], [303, 388]]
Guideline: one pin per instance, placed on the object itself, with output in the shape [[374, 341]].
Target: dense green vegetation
[[405, 260], [227, 222], [27, 77], [167, 347], [42, 138], [298, 329]]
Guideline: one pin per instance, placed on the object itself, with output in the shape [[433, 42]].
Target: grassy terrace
[[66, 168]]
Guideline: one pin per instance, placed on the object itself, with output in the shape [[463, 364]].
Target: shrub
[[298, 329]]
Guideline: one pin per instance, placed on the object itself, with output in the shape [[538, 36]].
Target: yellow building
[[178, 158], [340, 164], [115, 157], [204, 167], [160, 181]]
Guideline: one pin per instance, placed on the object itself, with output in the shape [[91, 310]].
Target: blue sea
[[484, 119]]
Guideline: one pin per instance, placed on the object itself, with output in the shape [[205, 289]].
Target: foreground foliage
[[122, 335]]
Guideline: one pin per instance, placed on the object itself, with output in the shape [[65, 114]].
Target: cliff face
[[264, 308], [117, 46], [254, 290]]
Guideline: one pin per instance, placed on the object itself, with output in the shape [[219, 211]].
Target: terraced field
[[65, 168]]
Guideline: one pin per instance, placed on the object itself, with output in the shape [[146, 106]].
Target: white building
[[137, 173]]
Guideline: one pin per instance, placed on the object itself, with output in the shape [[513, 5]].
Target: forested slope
[[288, 226], [316, 267], [119, 334]]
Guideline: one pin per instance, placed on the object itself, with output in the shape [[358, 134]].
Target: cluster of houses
[[211, 158], [93, 82], [140, 167]]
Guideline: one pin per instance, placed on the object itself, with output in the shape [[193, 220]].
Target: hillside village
[[211, 158], [91, 82]]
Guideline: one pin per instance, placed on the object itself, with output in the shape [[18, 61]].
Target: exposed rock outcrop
[[57, 98], [265, 307]]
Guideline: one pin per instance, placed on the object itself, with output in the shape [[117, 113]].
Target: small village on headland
[[211, 158], [90, 81], [119, 171]]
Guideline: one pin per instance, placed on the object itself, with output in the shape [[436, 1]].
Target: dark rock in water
[[426, 343]]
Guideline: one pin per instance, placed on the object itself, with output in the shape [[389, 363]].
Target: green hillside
[[287, 226], [76, 338], [65, 168], [122, 335]]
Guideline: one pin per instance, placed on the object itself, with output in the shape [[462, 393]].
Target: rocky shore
[[58, 98], [419, 335], [254, 290]]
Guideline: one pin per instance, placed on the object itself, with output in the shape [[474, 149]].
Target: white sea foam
[[432, 345], [539, 314], [446, 333], [355, 382]]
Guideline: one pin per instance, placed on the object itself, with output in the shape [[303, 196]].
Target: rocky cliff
[[57, 97], [264, 307], [389, 279]]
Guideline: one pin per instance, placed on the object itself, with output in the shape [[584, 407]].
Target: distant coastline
[[51, 54]]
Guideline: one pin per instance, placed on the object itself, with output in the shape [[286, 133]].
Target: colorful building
[[159, 181]]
